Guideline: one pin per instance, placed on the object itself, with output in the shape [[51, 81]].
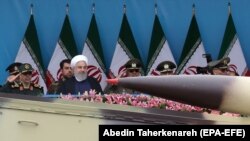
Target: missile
[[224, 93]]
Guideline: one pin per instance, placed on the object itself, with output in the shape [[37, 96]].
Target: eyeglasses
[[133, 70]]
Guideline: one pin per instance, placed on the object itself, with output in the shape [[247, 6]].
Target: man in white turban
[[79, 64], [81, 82]]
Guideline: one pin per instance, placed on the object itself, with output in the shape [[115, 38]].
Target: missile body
[[225, 93]]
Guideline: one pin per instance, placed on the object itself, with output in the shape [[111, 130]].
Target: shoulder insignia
[[55, 83], [37, 85], [15, 85]]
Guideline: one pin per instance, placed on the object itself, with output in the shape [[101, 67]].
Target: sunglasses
[[133, 70]]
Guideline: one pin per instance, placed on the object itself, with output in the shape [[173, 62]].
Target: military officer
[[133, 68], [13, 70], [219, 67], [166, 68], [25, 86]]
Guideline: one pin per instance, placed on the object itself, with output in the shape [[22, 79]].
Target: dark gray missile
[[225, 93]]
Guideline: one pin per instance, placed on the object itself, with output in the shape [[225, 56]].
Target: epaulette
[[55, 83], [36, 85], [15, 85]]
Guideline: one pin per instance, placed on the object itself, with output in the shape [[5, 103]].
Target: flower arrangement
[[141, 100]]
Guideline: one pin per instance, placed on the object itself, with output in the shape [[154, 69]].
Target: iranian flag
[[93, 51], [29, 52], [159, 49], [65, 48], [231, 47], [192, 52], [125, 49]]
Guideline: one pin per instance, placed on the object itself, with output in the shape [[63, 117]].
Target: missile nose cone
[[112, 81]]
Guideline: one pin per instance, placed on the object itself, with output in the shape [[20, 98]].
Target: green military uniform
[[18, 88], [132, 64], [55, 85]]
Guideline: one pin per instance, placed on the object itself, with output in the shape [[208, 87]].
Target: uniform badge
[[26, 66], [166, 66], [36, 85], [225, 62], [133, 65]]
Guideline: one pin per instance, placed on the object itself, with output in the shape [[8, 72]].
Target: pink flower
[[144, 101]]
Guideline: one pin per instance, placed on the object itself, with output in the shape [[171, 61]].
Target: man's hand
[[12, 78]]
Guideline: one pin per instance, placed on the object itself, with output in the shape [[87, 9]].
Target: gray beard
[[81, 76]]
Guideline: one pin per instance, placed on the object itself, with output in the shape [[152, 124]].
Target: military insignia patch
[[133, 65], [166, 66], [26, 66]]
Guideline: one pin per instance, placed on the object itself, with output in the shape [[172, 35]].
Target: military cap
[[166, 66], [26, 67], [220, 64], [13, 68], [133, 64]]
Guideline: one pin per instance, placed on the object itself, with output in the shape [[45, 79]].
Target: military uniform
[[166, 67], [33, 89], [221, 65], [18, 88], [53, 88], [133, 65]]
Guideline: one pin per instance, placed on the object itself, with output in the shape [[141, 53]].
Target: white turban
[[78, 58]]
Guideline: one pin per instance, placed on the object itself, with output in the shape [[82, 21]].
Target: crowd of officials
[[75, 79]]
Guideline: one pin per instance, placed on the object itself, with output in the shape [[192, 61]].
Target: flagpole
[[31, 9], [156, 6], [67, 8], [124, 7], [93, 8], [193, 9], [229, 8]]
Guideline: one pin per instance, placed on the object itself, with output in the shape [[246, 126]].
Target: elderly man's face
[[80, 71], [80, 67]]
